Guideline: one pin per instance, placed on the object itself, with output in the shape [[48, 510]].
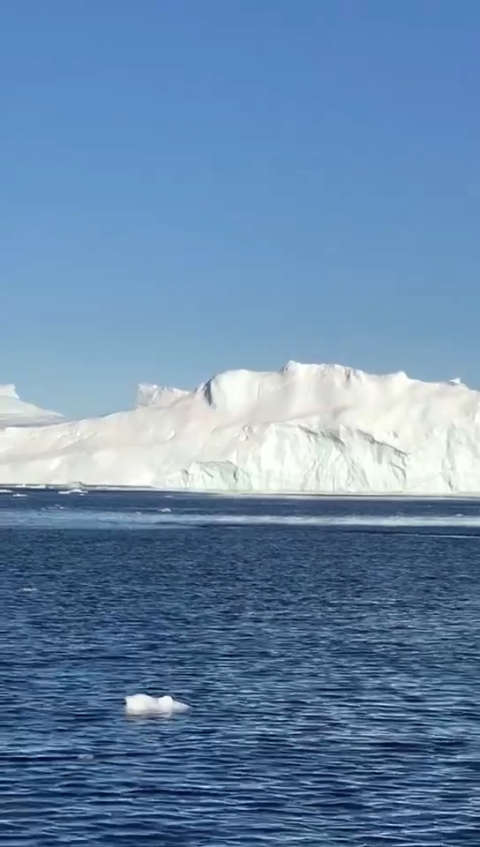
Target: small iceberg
[[142, 705], [73, 488], [72, 491]]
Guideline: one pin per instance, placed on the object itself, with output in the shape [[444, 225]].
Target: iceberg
[[306, 428], [14, 411], [143, 705]]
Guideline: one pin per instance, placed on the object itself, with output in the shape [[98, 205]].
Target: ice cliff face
[[306, 428]]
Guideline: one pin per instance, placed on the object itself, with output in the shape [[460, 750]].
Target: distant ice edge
[[306, 428]]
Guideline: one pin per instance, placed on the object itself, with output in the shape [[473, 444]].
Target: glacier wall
[[305, 428]]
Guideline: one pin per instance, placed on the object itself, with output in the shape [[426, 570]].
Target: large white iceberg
[[305, 428]]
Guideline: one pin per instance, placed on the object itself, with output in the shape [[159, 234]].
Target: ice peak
[[157, 395], [9, 390]]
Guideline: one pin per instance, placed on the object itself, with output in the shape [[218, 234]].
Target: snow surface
[[305, 428]]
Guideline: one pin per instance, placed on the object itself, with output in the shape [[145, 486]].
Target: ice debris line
[[305, 428], [142, 705]]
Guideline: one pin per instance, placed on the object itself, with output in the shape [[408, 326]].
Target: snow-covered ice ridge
[[305, 428]]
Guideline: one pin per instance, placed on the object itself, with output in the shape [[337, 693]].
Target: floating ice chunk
[[73, 488], [142, 705]]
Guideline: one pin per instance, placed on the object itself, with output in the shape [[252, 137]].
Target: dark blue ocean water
[[330, 650]]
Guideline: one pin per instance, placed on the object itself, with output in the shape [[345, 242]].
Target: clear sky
[[192, 186]]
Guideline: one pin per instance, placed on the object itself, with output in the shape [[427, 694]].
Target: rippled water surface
[[329, 650]]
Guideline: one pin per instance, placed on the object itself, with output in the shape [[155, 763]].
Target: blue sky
[[192, 186]]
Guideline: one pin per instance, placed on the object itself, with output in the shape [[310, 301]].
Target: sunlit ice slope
[[305, 428]]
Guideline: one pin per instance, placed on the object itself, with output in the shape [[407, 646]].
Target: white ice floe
[[142, 705], [303, 429]]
